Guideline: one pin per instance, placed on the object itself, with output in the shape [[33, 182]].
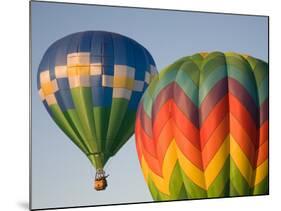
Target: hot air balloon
[[202, 128], [91, 83]]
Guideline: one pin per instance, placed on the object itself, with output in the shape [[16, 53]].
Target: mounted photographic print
[[133, 105]]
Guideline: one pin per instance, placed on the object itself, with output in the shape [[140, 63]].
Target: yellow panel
[[123, 82], [47, 88], [71, 71], [45, 77]]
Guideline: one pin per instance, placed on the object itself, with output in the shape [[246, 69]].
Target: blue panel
[[96, 59], [130, 56], [74, 43], [85, 42], [63, 83], [52, 61], [108, 60], [96, 45], [108, 48], [119, 50], [145, 86], [134, 101], [61, 55], [141, 63], [96, 80], [101, 96], [150, 59], [64, 99], [108, 70]]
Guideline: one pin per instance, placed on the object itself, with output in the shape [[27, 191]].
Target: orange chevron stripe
[[170, 110], [152, 162], [164, 140], [213, 120], [186, 126], [243, 117], [163, 115], [204, 179], [191, 152], [242, 138], [262, 153], [215, 141]]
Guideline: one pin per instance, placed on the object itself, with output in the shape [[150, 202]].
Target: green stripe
[[262, 187], [176, 184], [125, 131], [62, 122], [188, 78], [217, 188], [240, 70], [237, 180], [117, 113], [82, 99], [101, 119]]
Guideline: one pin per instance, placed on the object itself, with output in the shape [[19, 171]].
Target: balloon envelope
[[202, 128], [91, 83]]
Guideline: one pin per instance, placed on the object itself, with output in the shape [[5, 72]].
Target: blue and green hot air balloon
[[91, 83]]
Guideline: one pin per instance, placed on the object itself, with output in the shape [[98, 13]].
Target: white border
[[14, 105]]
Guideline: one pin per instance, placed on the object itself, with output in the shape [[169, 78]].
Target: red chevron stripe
[[191, 152], [147, 142], [163, 115], [244, 118], [145, 120], [215, 141], [164, 140], [262, 154], [189, 130], [213, 120], [242, 139], [237, 90], [217, 92]]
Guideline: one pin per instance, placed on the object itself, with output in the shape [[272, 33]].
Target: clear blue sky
[[62, 175]]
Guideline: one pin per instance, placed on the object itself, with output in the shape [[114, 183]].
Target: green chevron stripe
[[217, 188], [187, 78], [197, 59], [240, 70], [263, 90], [237, 180], [262, 187], [176, 184]]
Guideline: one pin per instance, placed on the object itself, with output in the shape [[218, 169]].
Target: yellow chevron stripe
[[162, 183], [261, 172], [216, 164], [191, 171], [200, 178], [241, 161]]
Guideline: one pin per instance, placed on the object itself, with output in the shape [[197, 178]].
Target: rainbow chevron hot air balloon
[[91, 83], [202, 128]]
